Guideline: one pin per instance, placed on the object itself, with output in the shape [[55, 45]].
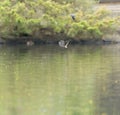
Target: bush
[[19, 18]]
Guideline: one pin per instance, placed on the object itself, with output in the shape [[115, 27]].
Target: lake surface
[[50, 80]]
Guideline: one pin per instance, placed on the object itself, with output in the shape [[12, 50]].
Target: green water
[[50, 80]]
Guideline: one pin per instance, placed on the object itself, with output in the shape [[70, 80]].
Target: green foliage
[[79, 4], [19, 17]]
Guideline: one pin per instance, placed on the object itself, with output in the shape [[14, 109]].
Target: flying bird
[[63, 43]]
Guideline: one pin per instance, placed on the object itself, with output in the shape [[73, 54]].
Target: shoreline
[[32, 41], [43, 38]]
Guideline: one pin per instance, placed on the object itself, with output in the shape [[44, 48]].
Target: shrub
[[28, 17]]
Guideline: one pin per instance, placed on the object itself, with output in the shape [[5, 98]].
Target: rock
[[112, 37], [107, 1]]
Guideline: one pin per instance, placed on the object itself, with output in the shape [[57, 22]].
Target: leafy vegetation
[[34, 18]]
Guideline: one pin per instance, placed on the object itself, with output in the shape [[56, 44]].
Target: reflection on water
[[49, 80]]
